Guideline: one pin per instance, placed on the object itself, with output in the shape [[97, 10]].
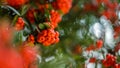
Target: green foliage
[[18, 38], [60, 61]]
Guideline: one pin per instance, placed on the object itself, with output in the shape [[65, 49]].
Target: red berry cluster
[[19, 24], [55, 18], [63, 5], [42, 19], [110, 60], [48, 37], [117, 66], [110, 11], [16, 3], [30, 15]]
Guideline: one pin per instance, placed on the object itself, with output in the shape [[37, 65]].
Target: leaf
[[14, 20], [61, 61], [119, 1], [24, 10], [41, 26], [18, 38], [14, 10]]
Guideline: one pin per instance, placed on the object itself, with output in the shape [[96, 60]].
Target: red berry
[[99, 44], [92, 60], [19, 24], [31, 39]]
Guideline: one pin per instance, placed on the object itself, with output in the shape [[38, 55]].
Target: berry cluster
[[30, 15], [16, 3], [63, 5], [44, 16], [48, 37], [108, 9], [35, 22], [109, 61], [55, 18], [20, 24], [117, 66]]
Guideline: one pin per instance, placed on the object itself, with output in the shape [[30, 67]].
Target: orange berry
[[77, 49], [48, 39], [99, 44], [57, 40], [31, 39], [44, 33], [57, 33], [53, 40], [51, 33], [46, 43], [41, 39], [19, 24]]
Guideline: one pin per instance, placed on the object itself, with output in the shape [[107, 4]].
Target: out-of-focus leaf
[[14, 10], [63, 61], [18, 37], [24, 9]]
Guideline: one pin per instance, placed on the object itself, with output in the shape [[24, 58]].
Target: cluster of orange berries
[[110, 61], [55, 18], [63, 5], [45, 26], [16, 3], [48, 37], [20, 24]]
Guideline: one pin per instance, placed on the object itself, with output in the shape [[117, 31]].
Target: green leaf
[[24, 10], [47, 14], [62, 61], [46, 25], [14, 20], [14, 10], [41, 26], [119, 1], [18, 37]]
